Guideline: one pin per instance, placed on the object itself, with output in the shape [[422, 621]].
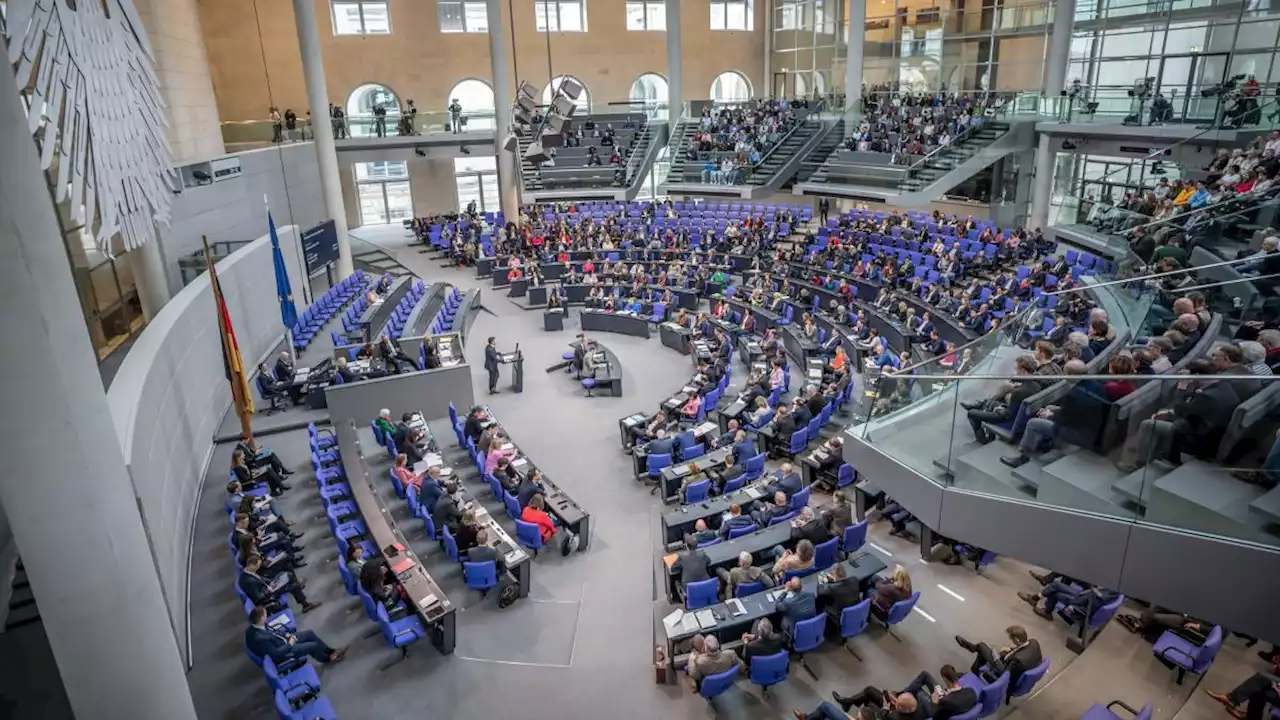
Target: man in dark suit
[[431, 488], [783, 422], [1059, 332], [736, 521], [284, 368], [491, 360], [264, 593], [446, 512], [835, 594], [661, 444], [934, 699], [809, 527], [796, 604], [800, 413], [474, 425], [529, 487], [484, 552], [691, 563], [282, 646], [1021, 655], [727, 438], [743, 447], [779, 506], [762, 641], [839, 514], [787, 480]]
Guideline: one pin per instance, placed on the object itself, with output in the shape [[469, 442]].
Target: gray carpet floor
[[581, 644]]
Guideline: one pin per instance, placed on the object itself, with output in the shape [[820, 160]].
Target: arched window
[[819, 82], [584, 98], [731, 86], [476, 99], [360, 105], [650, 89], [802, 85]]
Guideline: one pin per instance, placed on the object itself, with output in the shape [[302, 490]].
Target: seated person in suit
[[743, 573], [430, 488], [691, 563], [1022, 654], [937, 700], [787, 480], [536, 513], [800, 412], [530, 487], [256, 456], [779, 506], [795, 605], [248, 477], [284, 370], [396, 359], [377, 580], [762, 641], [701, 533], [477, 418], [728, 437], [413, 445], [661, 444], [365, 352], [839, 514], [1080, 406], [267, 593], [711, 660], [446, 512], [648, 431], [281, 646], [431, 355], [1003, 406], [468, 531], [793, 560], [784, 424], [743, 447], [721, 475], [809, 526], [828, 711], [1074, 595], [268, 385], [835, 593], [736, 521], [888, 592]]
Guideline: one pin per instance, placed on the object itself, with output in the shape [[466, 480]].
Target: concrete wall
[[182, 67], [428, 392], [170, 395], [233, 210], [419, 62]]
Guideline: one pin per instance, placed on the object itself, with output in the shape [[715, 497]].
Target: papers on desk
[[279, 622], [687, 389], [519, 463], [680, 470], [429, 601], [507, 446], [434, 459], [704, 428], [634, 420], [754, 492], [706, 619], [671, 621]]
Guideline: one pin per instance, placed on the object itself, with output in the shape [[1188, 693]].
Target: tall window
[[360, 106], [733, 15], [382, 189], [646, 15], [477, 181], [360, 17], [730, 86], [561, 15], [476, 99], [462, 16]]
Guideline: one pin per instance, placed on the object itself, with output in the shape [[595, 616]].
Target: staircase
[[22, 603], [528, 171], [680, 139], [947, 160], [786, 150], [813, 160]]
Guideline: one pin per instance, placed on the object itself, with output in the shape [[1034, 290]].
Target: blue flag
[[288, 312]]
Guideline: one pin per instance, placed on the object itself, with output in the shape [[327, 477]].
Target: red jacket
[[541, 519]]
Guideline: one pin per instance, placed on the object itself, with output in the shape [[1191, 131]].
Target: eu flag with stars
[[288, 312]]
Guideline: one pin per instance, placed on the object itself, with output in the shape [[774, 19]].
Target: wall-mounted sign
[[224, 168]]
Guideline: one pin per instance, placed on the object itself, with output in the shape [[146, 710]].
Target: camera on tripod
[[1142, 88], [1223, 88]]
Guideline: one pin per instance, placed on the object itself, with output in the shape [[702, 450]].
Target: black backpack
[[508, 595]]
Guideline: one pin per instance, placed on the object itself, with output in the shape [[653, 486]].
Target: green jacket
[[385, 425]]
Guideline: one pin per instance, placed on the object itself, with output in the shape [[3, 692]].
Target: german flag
[[232, 364]]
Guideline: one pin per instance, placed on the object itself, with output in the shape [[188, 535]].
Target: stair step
[[22, 616], [21, 597], [20, 578]]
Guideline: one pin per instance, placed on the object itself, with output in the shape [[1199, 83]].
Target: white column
[[1055, 75], [1042, 190], [853, 54], [675, 65], [147, 264], [508, 176], [304, 13], [65, 488]]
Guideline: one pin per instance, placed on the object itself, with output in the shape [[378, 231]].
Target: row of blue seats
[[349, 529], [444, 320], [395, 325], [351, 319], [322, 310]]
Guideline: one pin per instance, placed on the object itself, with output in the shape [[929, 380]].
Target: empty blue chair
[[735, 484], [807, 637], [754, 467], [844, 476], [403, 632], [654, 463], [528, 535], [703, 593], [697, 492], [1099, 712], [815, 425], [511, 503], [482, 576], [749, 588], [899, 612], [799, 439], [693, 451], [786, 576], [824, 554], [318, 708], [854, 537], [784, 518], [990, 695], [745, 530], [800, 499], [1184, 655], [853, 622], [769, 670], [713, 685], [293, 682], [1028, 680]]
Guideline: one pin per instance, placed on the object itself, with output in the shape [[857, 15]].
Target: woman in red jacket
[[535, 514]]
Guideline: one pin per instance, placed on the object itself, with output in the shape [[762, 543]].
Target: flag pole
[[235, 371], [288, 331]]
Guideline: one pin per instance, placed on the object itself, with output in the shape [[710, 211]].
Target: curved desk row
[[486, 266], [419, 321], [465, 313], [615, 322], [686, 298], [424, 596], [375, 317], [607, 369]]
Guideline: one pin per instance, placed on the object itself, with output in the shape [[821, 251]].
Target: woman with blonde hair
[[888, 592]]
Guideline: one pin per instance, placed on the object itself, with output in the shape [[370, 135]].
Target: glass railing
[[1189, 450], [254, 133], [1109, 105]]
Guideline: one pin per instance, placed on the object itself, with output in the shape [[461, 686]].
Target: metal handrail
[[814, 113], [1216, 206]]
